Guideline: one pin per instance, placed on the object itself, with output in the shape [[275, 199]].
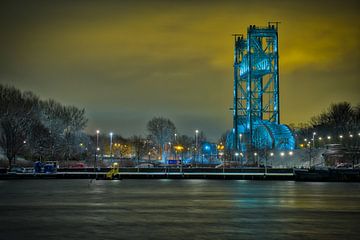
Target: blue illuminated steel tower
[[256, 110]]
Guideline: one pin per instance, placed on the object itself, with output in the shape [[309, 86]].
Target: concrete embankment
[[341, 175]]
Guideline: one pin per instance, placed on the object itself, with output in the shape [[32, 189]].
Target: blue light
[[255, 73]]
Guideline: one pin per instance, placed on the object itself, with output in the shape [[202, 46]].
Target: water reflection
[[178, 209]]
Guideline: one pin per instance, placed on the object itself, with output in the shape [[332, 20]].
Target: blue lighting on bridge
[[256, 93]]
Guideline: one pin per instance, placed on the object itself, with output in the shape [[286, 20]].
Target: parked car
[[344, 165], [79, 165], [16, 169]]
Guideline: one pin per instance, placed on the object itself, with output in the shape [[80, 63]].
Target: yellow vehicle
[[114, 172]]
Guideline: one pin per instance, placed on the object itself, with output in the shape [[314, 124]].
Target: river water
[[178, 209]]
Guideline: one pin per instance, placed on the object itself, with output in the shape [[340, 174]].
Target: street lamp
[[290, 160], [282, 154], [97, 148], [111, 137], [196, 145], [257, 159], [240, 135], [313, 139]]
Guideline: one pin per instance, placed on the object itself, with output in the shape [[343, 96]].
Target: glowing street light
[[196, 144], [257, 159], [341, 136], [328, 137], [291, 153], [272, 158], [282, 154], [313, 139], [97, 148], [351, 135], [111, 137]]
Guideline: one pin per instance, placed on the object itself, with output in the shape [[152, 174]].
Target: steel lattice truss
[[256, 90]]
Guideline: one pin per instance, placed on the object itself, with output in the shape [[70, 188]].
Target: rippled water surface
[[178, 209]]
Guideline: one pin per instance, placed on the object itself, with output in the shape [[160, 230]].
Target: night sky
[[128, 61]]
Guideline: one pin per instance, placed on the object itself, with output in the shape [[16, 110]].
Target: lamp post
[[313, 139], [111, 137], [97, 148], [272, 158], [196, 145], [256, 159], [240, 148], [290, 154], [282, 154]]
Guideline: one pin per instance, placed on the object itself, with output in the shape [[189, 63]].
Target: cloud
[[137, 60]]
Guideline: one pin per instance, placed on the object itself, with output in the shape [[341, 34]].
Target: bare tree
[[161, 131], [140, 146], [17, 112], [29, 126]]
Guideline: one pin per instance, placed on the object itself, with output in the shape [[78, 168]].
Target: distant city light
[[329, 137], [320, 138], [236, 154], [255, 154], [271, 154], [291, 153], [351, 135], [341, 136], [282, 154]]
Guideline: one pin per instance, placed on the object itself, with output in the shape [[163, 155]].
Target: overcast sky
[[128, 61]]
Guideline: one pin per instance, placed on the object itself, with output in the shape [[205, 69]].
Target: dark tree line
[[340, 119], [39, 129], [47, 130]]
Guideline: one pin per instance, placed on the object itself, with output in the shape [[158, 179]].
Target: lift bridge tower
[[256, 109]]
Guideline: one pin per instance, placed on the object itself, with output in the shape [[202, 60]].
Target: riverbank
[[330, 175]]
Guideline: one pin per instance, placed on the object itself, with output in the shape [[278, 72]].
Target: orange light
[[179, 148]]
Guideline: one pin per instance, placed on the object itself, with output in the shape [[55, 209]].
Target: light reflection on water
[[178, 209]]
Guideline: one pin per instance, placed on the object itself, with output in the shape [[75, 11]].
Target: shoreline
[[331, 175]]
